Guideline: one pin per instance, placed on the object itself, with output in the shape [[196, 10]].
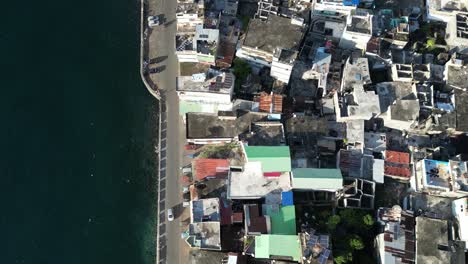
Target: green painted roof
[[312, 178], [278, 245], [283, 221], [273, 158]]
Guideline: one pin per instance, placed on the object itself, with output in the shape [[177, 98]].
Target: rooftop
[[360, 24], [457, 75], [282, 247], [272, 158], [359, 104], [355, 130], [254, 222], [251, 184], [459, 172], [210, 168], [207, 125], [375, 142], [397, 157], [405, 110], [448, 5], [283, 220], [397, 164], [397, 243], [264, 35], [205, 235], [221, 84], [205, 210], [264, 134], [436, 173], [460, 212], [317, 179], [286, 56], [350, 162], [270, 103], [389, 92], [461, 108], [356, 71], [430, 233]]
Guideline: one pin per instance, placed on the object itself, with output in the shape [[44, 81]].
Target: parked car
[[187, 170], [170, 214], [153, 21], [186, 204]]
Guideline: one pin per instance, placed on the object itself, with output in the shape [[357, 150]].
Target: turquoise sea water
[[77, 161]]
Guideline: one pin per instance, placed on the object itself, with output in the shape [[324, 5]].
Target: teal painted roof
[[316, 179], [278, 245], [273, 158], [283, 222]]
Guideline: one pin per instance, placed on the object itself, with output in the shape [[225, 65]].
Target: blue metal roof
[[287, 198]]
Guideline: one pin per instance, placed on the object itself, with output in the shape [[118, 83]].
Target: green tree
[[343, 258], [430, 44], [333, 221], [368, 220], [340, 259], [351, 218], [241, 70], [356, 243]]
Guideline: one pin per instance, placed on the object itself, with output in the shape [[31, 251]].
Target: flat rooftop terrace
[[264, 34], [251, 184], [221, 84]]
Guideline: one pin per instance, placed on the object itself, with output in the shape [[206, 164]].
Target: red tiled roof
[[397, 157], [265, 103], [398, 171], [210, 168], [270, 103], [277, 103]]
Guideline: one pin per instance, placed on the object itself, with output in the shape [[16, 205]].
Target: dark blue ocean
[[77, 135]]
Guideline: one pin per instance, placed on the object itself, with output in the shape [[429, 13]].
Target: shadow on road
[[158, 59], [169, 23]]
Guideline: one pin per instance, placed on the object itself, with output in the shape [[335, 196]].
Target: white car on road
[[170, 214], [153, 21]]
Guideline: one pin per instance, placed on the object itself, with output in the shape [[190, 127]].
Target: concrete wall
[[351, 40], [281, 71]]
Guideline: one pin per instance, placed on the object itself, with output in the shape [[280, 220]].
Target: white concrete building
[[282, 64], [358, 31], [207, 96], [454, 13]]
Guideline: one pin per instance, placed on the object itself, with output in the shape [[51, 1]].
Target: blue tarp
[[351, 2], [287, 198]]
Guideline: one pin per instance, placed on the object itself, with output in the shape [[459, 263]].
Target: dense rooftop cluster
[[314, 119]]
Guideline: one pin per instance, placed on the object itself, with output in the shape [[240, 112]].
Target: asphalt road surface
[[161, 44]]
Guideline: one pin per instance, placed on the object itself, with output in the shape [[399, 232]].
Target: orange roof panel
[[210, 168]]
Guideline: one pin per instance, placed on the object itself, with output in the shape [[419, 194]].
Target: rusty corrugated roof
[[215, 168], [397, 157], [398, 171], [277, 103]]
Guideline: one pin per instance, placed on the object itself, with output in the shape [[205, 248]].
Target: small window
[[203, 36]]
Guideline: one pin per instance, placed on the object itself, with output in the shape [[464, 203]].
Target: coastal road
[[173, 249]]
